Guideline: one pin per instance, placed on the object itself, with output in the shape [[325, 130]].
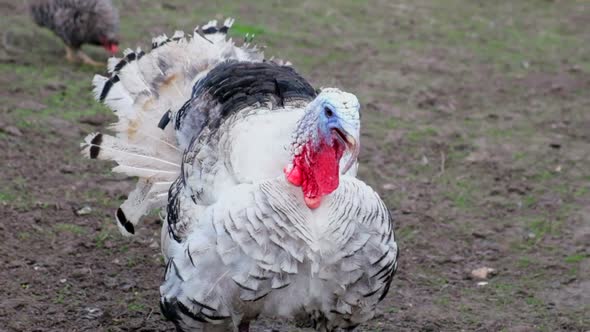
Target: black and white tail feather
[[145, 90]]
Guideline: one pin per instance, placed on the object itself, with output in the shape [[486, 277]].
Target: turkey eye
[[329, 113]]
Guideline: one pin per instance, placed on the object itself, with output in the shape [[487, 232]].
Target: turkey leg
[[70, 54], [88, 60]]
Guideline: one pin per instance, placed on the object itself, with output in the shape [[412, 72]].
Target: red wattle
[[317, 171], [312, 203], [294, 176]]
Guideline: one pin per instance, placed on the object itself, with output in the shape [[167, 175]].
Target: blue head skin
[[333, 114]]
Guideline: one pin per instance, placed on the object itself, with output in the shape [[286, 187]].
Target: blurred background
[[476, 132]]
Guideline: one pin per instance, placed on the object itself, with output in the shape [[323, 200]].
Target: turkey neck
[[259, 143]]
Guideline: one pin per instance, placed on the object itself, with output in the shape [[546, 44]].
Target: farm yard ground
[[476, 132]]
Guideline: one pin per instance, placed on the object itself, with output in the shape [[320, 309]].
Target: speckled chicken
[[79, 22], [256, 170]]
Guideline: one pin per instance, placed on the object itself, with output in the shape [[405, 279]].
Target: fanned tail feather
[[145, 90]]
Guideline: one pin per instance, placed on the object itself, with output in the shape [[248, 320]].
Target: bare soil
[[476, 133]]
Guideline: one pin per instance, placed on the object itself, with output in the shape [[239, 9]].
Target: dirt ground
[[476, 132]]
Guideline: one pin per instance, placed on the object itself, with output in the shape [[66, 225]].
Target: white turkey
[[256, 171]]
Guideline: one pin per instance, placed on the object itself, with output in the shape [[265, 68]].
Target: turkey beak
[[353, 148], [352, 144]]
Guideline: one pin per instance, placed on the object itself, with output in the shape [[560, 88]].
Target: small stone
[[482, 283], [92, 313], [11, 130], [127, 285], [479, 234], [63, 281], [424, 160], [66, 169], [32, 105], [483, 273], [389, 186], [81, 272], [84, 211]]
